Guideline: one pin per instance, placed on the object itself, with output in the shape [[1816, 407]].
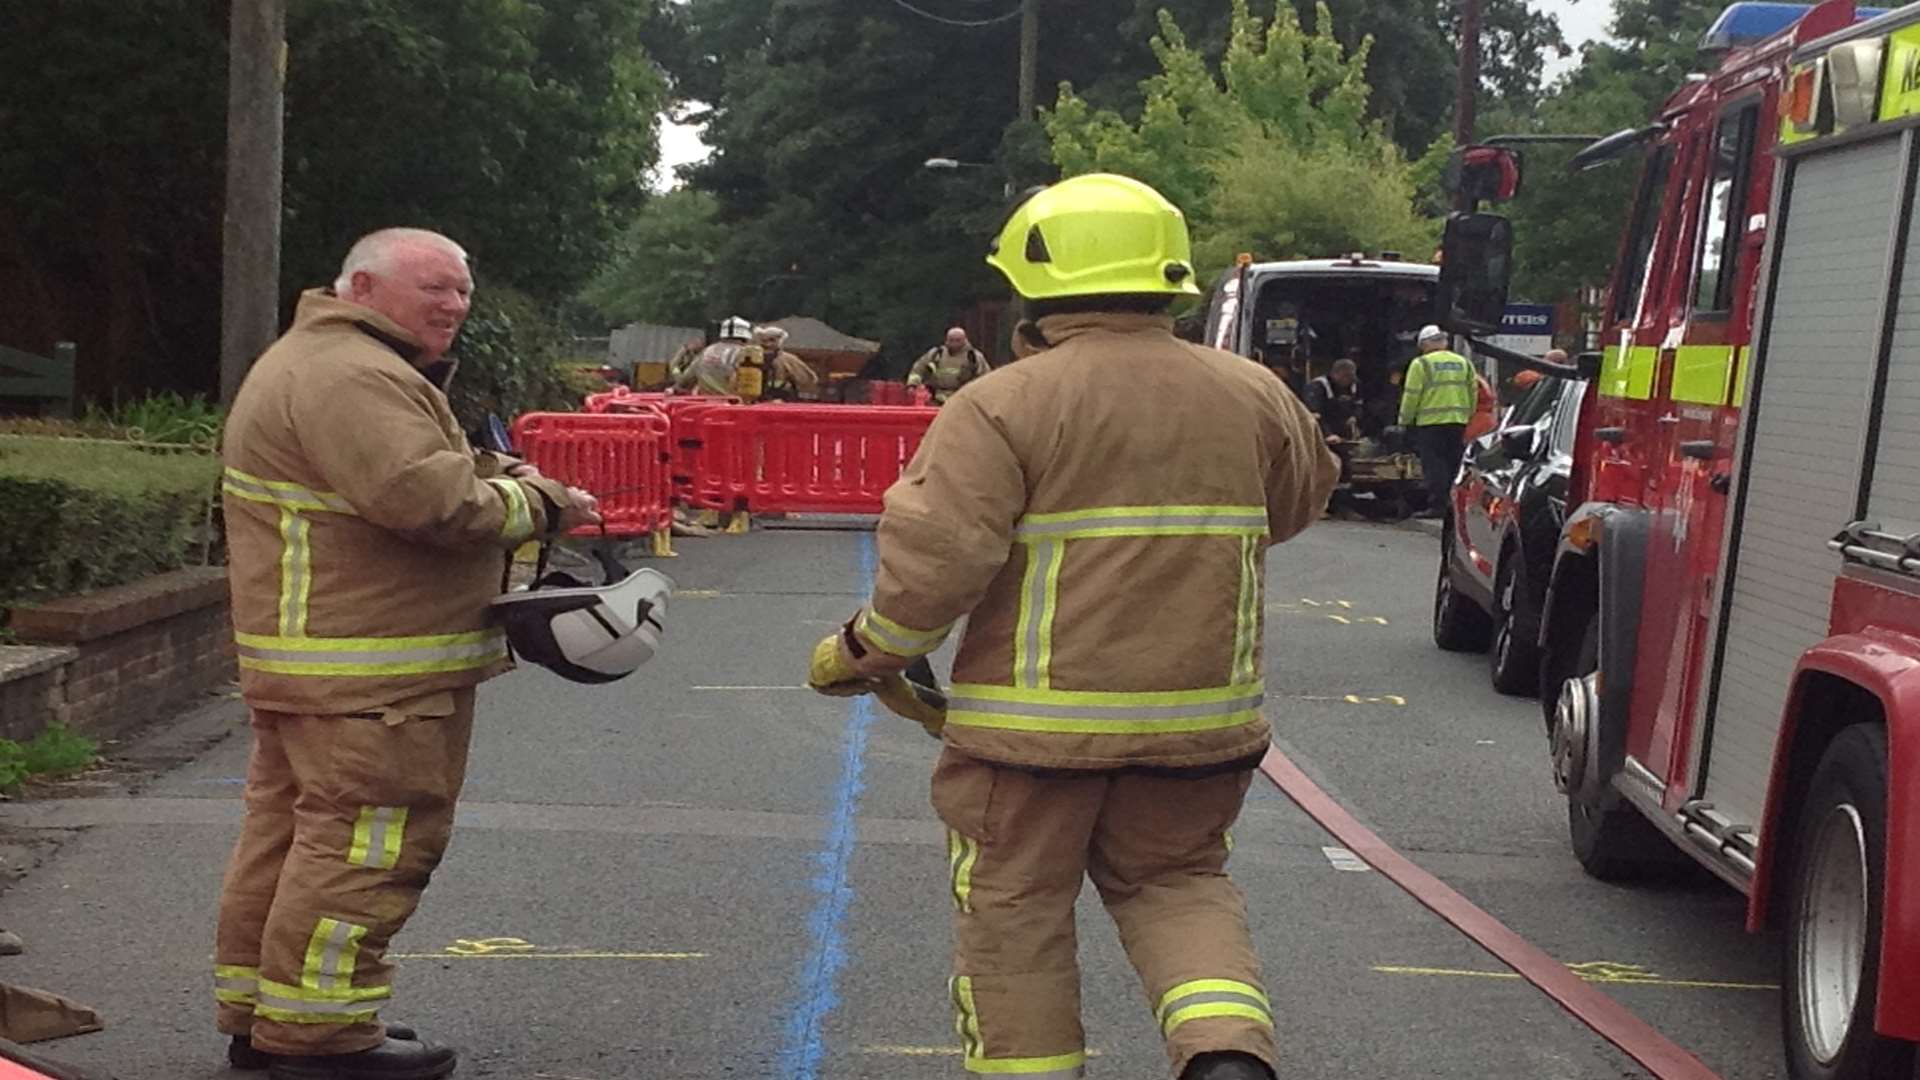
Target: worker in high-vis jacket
[[1098, 514], [1436, 404], [365, 541]]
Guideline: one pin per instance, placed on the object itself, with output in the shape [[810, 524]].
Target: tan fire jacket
[[1098, 514], [365, 537]]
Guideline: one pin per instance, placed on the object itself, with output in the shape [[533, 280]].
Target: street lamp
[[949, 164]]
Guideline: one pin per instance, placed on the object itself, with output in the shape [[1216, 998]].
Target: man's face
[[768, 342], [1342, 378], [956, 341], [426, 290]]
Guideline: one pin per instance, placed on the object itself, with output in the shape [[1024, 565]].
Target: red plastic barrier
[[623, 458], [798, 458]]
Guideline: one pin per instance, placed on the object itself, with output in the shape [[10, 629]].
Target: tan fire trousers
[[347, 816], [1019, 846]]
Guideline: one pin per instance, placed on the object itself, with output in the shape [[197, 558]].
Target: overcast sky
[[1580, 20]]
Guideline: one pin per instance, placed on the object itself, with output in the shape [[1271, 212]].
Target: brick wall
[[32, 681], [140, 652]]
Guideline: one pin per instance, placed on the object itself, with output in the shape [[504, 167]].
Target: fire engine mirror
[[1588, 364], [1483, 174], [1476, 265]]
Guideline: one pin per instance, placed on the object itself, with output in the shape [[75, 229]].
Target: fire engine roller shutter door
[[1894, 499], [1803, 468]]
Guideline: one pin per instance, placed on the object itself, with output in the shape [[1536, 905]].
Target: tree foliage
[[662, 265], [524, 129], [1277, 153]]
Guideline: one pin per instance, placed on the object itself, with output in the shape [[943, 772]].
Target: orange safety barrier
[[621, 457], [785, 458]]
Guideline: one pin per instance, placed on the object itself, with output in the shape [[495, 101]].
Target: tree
[[1277, 153], [663, 265], [817, 161], [523, 129]]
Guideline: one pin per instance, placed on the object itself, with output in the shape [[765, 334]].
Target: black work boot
[[391, 1060], [1226, 1065], [242, 1056]]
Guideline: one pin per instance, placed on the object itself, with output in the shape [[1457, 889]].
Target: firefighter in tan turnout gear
[[1098, 514], [366, 539]]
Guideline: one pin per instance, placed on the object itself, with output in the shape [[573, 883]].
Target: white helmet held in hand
[[587, 633]]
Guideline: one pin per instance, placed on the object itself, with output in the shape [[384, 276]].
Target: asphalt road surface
[[706, 871]]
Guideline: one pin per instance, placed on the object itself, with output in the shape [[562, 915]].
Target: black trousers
[[1440, 447]]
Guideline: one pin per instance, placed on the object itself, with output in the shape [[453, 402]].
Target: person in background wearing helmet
[[730, 367], [1086, 736], [789, 378], [1436, 402], [366, 539], [949, 366]]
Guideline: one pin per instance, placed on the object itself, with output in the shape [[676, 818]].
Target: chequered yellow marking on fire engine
[[1593, 971], [513, 948]]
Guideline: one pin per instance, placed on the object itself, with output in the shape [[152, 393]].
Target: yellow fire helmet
[[1095, 235]]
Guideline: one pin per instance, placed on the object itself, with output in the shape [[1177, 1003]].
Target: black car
[[1501, 528]]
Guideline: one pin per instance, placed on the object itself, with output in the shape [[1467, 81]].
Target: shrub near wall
[[77, 515]]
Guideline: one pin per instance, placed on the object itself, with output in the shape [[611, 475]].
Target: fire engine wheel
[[1458, 624], [1832, 946], [1515, 658], [1609, 838]]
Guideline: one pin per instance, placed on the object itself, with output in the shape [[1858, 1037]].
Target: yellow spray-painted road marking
[[927, 1051], [1346, 604], [512, 948], [696, 594], [1353, 699], [1594, 971], [795, 686]]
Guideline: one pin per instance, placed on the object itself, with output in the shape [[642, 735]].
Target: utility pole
[[1469, 77], [1029, 54], [250, 255]]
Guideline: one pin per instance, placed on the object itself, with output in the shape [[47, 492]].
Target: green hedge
[[78, 515]]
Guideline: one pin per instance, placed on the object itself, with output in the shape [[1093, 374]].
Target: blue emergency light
[[1756, 20]]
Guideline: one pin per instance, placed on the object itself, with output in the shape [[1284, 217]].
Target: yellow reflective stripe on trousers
[[332, 951], [377, 834], [296, 573], [1033, 633], [1701, 373], [1628, 373], [287, 496], [1246, 634], [235, 984], [966, 1022], [892, 637], [1106, 521], [962, 853], [973, 1048], [300, 1005], [518, 526], [371, 657], [1091, 712], [1202, 998]]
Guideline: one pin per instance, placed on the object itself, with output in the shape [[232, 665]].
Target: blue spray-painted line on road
[[816, 991]]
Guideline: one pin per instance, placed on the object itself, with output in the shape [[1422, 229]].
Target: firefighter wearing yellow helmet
[[1088, 735]]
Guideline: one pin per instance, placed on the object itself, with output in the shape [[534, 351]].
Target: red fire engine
[[1731, 639]]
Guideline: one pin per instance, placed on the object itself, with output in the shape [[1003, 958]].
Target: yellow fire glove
[[832, 673]]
